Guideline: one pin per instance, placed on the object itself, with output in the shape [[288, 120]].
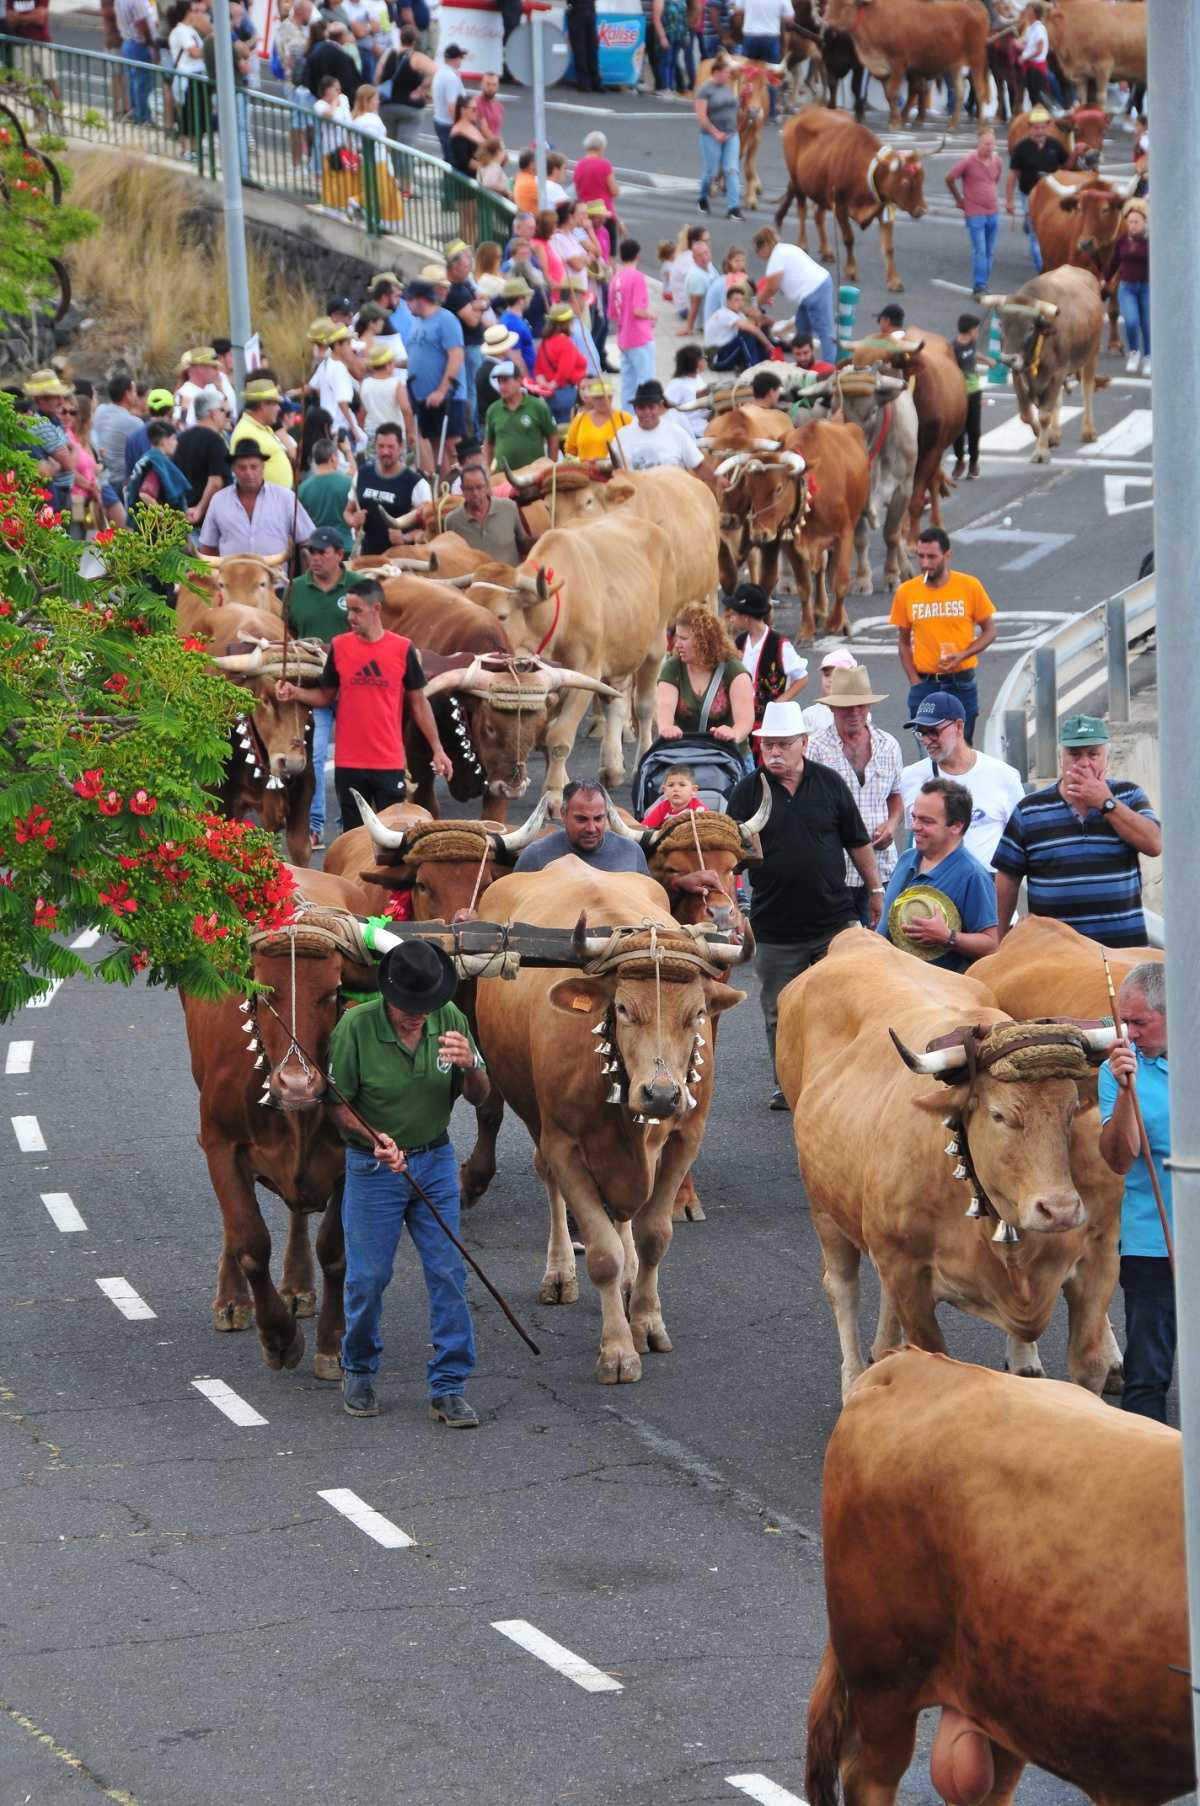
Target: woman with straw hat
[[560, 365], [384, 395], [594, 427], [500, 346]]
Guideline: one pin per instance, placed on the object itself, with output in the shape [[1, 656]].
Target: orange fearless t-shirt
[[946, 616]]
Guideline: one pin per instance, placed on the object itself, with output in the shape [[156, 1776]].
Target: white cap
[[782, 720], [839, 660]]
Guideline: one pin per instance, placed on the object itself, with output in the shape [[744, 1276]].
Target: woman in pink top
[[629, 310], [593, 174], [979, 172], [544, 230]]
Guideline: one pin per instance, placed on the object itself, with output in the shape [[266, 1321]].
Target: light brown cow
[[604, 612], [900, 1198], [446, 556], [1076, 218], [762, 489], [248, 582], [1015, 1555], [1050, 330], [752, 82], [1099, 41], [837, 164], [899, 39], [886, 415], [612, 1074]]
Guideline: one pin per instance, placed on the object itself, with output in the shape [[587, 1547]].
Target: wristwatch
[[1108, 805], [876, 890], [952, 940]]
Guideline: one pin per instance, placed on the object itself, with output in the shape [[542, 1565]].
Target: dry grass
[[153, 277]]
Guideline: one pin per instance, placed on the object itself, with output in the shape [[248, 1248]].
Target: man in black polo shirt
[[1036, 156], [383, 486], [800, 898]]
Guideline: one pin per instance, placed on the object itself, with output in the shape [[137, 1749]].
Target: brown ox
[[1050, 330], [270, 772], [613, 1077], [446, 556], [1076, 219], [603, 613], [1099, 41], [884, 412], [899, 39], [745, 440], [752, 82], [1015, 1555], [262, 1122], [432, 518], [332, 892], [837, 164], [899, 1197], [249, 582], [837, 484], [938, 396]]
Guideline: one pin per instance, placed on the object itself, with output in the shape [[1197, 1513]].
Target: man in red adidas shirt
[[373, 676]]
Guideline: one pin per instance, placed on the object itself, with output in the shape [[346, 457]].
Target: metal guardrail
[[1092, 654], [283, 146]]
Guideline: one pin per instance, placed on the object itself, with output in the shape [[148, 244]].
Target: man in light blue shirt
[[941, 815], [1146, 1278], [437, 380]]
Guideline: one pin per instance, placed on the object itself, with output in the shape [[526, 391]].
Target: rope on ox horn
[[674, 953]]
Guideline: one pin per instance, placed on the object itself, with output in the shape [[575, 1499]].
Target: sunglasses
[[932, 733]]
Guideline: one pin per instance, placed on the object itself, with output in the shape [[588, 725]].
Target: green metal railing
[[284, 148]]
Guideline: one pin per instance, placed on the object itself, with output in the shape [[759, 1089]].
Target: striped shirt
[[1078, 871], [871, 792]]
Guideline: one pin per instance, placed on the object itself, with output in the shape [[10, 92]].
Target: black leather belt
[[427, 1147]]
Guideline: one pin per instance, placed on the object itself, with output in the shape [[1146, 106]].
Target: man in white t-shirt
[[334, 384], [447, 85], [762, 26], [660, 437], [803, 283], [995, 787]]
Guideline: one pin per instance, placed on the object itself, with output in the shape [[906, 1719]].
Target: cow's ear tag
[[582, 1003]]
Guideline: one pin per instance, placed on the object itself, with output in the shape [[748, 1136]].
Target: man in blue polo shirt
[[1146, 1278], [1078, 843], [941, 814]]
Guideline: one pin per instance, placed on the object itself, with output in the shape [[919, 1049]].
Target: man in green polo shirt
[[520, 427], [316, 610], [402, 1059]]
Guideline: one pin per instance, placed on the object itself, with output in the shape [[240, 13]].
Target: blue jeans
[[472, 364], [959, 683], [637, 366], [742, 351], [763, 50], [134, 51], [375, 1207], [323, 720], [562, 404], [714, 156], [1035, 250], [1133, 299], [982, 229], [675, 66], [814, 316], [1149, 1289]]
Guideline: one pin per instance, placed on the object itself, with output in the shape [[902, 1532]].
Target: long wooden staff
[[1134, 1099]]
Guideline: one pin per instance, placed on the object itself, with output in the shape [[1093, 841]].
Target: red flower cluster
[[110, 803], [44, 914], [46, 515], [34, 827], [206, 928], [399, 906], [116, 683], [105, 536], [259, 886], [12, 529], [142, 804], [192, 644], [118, 899], [5, 608], [89, 785]]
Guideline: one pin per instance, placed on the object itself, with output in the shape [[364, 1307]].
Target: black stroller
[[717, 768]]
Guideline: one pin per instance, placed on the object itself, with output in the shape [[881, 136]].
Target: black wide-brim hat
[[417, 977]]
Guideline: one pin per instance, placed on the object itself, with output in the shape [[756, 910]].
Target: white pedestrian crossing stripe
[[1128, 439], [1015, 436]]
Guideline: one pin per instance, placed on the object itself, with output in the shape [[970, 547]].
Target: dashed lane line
[[29, 1136], [229, 1403], [63, 1213], [563, 1661], [372, 1523], [87, 939], [53, 986], [764, 1790], [131, 1304], [18, 1057]]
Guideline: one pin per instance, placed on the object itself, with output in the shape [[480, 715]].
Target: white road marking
[[371, 1522], [30, 1139], [130, 1303], [1018, 630], [1015, 436], [227, 1401], [555, 1656], [1117, 488], [53, 986], [1016, 461], [1040, 544], [63, 1213], [766, 1792], [18, 1057], [1128, 439], [87, 939]]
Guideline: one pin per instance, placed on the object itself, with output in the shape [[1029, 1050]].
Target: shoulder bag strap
[[710, 696]]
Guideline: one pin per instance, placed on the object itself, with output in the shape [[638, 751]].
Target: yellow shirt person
[[276, 466], [589, 439]]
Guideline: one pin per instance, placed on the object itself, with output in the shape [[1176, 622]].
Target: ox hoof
[[651, 1337], [618, 1366], [1026, 1373], [291, 1356], [1085, 438], [559, 1288], [896, 287], [301, 1304], [327, 1367], [862, 586], [1040, 457], [232, 1316], [1114, 1382], [688, 1210], [472, 1184]]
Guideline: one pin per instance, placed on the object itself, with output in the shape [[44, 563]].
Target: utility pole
[[1174, 81], [231, 184], [536, 17]]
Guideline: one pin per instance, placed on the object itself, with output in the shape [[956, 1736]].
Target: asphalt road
[[184, 1618]]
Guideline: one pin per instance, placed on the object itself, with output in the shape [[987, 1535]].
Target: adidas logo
[[370, 673]]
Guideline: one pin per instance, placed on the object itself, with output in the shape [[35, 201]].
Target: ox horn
[[930, 1065], [792, 461], [529, 830], [534, 585], [994, 301], [767, 445], [735, 461], [561, 677], [1099, 1041], [423, 565], [644, 837], [1063, 190], [272, 560], [389, 840], [1023, 310], [754, 824], [470, 677], [463, 582], [1047, 309], [247, 662], [413, 518]]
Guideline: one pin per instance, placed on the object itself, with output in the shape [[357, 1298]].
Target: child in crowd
[[679, 795], [965, 347]]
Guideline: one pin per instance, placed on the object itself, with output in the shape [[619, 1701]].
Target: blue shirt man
[[1146, 1278], [585, 833], [941, 815]]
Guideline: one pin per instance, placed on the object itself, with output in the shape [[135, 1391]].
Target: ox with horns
[[970, 1197], [1077, 219], [837, 164], [270, 770], [886, 415], [1050, 330], [926, 362], [241, 579]]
